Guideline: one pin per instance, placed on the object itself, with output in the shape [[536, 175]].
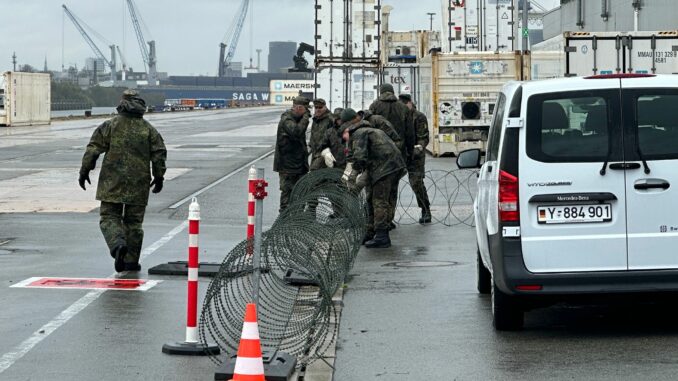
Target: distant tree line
[[68, 93]]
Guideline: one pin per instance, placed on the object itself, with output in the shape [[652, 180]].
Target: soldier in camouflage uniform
[[291, 153], [133, 150], [388, 106], [372, 151], [416, 166], [379, 122], [323, 121]]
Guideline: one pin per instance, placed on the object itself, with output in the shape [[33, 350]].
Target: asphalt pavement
[[410, 312]]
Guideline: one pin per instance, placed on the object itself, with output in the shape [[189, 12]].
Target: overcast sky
[[187, 32]]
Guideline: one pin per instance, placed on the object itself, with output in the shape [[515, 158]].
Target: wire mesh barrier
[[450, 193], [305, 257]]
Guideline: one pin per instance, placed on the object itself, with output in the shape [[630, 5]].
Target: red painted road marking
[[88, 283]]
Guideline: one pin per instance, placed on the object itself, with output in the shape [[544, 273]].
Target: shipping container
[[403, 77], [188, 102], [283, 91], [347, 86], [25, 99], [478, 25], [360, 43], [458, 93], [590, 53]]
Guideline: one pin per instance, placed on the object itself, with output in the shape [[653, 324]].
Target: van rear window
[[572, 127]]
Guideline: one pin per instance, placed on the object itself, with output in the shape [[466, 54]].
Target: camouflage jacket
[[421, 127], [318, 129], [131, 146], [372, 150], [291, 153], [379, 122], [335, 143], [399, 115]]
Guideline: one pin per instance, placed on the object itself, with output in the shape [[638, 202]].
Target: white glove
[[329, 158], [348, 173], [418, 148]]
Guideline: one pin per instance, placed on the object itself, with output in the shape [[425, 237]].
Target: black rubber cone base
[[278, 366], [190, 349], [206, 269]]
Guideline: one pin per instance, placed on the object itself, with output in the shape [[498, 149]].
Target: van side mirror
[[469, 159]]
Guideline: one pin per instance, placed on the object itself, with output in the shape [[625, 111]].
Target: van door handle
[[624, 166], [651, 184]]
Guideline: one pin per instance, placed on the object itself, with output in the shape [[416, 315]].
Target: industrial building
[[280, 55]]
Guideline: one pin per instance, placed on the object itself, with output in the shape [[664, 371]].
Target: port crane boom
[[231, 38], [147, 53], [79, 26]]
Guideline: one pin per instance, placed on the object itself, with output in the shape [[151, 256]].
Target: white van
[[579, 191]]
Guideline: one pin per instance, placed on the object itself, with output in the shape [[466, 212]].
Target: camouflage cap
[[300, 101], [130, 93], [337, 111], [386, 88], [348, 115], [319, 102], [405, 98]]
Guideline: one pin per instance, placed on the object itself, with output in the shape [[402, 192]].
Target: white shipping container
[[591, 53], [354, 87], [334, 42], [478, 25], [458, 93], [26, 99], [403, 77]]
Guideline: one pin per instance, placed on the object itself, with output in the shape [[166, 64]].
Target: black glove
[[157, 181], [84, 176]]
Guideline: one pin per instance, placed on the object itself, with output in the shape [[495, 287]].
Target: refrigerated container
[[590, 53], [403, 77], [458, 93], [25, 99], [347, 86]]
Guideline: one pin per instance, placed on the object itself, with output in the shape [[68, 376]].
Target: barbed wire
[[451, 194], [305, 257]]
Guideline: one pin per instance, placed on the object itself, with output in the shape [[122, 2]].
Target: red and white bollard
[[192, 346], [252, 181]]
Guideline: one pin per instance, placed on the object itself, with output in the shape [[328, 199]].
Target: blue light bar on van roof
[[620, 75]]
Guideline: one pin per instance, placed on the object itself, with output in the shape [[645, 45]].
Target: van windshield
[[573, 126]]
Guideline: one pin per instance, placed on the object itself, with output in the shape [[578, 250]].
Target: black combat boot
[[132, 266], [381, 240], [120, 251], [368, 237], [425, 216], [392, 226]]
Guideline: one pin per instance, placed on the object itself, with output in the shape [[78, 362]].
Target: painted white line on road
[[9, 358], [201, 191]]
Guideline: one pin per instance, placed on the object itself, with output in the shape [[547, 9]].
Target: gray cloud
[[187, 32]]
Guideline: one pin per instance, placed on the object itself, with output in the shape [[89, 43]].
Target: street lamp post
[[430, 15]]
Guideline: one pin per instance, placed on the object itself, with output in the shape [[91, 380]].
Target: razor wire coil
[[316, 238]]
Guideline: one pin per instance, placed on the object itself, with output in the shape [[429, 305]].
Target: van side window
[[495, 129], [571, 127], [657, 125]]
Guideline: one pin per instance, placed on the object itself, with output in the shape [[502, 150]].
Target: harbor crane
[[123, 61], [147, 52], [80, 26], [231, 38]]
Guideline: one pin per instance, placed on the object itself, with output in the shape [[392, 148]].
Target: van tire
[[507, 314], [484, 277]]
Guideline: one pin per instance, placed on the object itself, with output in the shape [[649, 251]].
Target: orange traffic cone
[[249, 365]]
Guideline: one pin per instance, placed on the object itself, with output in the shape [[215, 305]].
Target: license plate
[[569, 214]]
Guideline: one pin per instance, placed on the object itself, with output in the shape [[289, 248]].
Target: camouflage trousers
[[121, 224], [381, 202], [287, 183], [416, 172]]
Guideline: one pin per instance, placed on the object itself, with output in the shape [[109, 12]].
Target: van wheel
[[507, 314], [484, 277]]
